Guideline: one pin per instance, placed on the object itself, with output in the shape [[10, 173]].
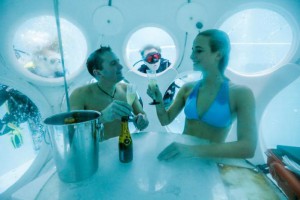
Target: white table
[[145, 177]]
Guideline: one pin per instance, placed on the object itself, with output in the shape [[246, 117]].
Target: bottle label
[[125, 140], [125, 144]]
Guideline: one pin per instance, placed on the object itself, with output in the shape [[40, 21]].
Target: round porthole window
[[150, 48], [36, 47], [261, 41], [21, 135]]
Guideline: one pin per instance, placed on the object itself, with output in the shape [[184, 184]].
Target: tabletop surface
[[145, 177]]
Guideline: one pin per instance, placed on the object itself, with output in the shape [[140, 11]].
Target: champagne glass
[[151, 74], [131, 93]]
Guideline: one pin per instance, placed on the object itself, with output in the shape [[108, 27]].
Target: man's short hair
[[94, 61], [148, 47]]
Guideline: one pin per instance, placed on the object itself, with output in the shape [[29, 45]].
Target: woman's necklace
[[111, 96]]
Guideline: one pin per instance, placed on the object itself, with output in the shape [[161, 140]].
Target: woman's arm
[[167, 116], [245, 145], [246, 121]]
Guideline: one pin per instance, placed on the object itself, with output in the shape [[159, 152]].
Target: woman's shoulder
[[187, 88], [189, 85], [241, 92], [239, 88]]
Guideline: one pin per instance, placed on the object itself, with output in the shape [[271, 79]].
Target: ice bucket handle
[[100, 131]]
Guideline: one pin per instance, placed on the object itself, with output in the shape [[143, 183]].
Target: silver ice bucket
[[75, 140]]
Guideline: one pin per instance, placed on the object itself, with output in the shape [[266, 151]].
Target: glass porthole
[[150, 47], [37, 51], [261, 41], [280, 123], [21, 132]]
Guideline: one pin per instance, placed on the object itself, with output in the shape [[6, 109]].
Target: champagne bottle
[[125, 142]]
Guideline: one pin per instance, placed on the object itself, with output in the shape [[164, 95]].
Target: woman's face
[[202, 57]]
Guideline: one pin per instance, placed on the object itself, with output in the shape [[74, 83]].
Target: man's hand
[[116, 110], [140, 121]]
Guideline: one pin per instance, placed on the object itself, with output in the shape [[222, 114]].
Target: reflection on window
[[281, 121], [36, 47], [21, 133], [45, 62], [169, 96], [261, 40], [157, 52]]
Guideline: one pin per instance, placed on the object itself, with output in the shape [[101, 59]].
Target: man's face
[[111, 67]]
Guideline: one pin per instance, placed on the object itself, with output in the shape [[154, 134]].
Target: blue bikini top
[[218, 114]]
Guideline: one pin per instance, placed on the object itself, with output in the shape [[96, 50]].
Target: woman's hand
[[154, 93], [175, 151]]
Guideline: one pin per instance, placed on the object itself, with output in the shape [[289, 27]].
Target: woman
[[211, 105]]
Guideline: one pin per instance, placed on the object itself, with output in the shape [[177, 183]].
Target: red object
[[286, 180], [152, 58]]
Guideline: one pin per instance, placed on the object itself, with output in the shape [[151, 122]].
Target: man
[[153, 60], [108, 94]]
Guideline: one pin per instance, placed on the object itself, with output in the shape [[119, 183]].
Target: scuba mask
[[152, 58]]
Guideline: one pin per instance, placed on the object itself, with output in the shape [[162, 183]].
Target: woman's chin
[[196, 67]]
